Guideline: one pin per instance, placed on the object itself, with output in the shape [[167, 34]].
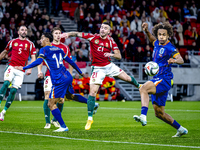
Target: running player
[[101, 46], [164, 54], [21, 49], [60, 77], [56, 32]]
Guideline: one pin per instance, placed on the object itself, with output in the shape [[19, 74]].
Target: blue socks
[[144, 110], [80, 98], [56, 113], [176, 124]]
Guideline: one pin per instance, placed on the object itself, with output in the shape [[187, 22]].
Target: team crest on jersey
[[161, 51], [16, 44], [26, 45], [106, 44], [96, 41]]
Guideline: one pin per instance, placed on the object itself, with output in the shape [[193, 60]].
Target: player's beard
[[23, 35], [103, 35]]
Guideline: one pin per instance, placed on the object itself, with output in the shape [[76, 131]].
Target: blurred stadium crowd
[[125, 17]]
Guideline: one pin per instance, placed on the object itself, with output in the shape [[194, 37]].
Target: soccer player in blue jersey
[[164, 54], [60, 77]]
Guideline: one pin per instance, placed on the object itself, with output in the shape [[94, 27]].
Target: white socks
[[90, 118]]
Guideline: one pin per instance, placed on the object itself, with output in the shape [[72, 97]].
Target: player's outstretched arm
[[149, 35], [33, 64], [177, 59], [73, 64], [68, 34], [3, 54]]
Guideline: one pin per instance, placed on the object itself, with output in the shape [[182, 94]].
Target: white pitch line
[[101, 141], [119, 108]]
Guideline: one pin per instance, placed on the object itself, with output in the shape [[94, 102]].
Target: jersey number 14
[[60, 60]]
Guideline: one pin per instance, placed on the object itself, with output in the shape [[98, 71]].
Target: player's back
[[53, 57]]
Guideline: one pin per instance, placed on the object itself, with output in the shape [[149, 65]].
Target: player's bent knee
[[159, 114]]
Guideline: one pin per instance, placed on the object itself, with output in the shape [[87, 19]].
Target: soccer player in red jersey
[[101, 46], [21, 49]]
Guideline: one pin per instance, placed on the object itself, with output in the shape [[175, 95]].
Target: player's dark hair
[[166, 25], [48, 35], [56, 28], [107, 23]]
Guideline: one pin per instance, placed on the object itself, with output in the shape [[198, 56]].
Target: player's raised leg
[[130, 79], [81, 99], [91, 103], [147, 88]]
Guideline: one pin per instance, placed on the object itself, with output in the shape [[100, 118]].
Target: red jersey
[[66, 50], [20, 51], [98, 47]]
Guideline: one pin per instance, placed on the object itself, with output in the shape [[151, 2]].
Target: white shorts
[[99, 73], [47, 84], [15, 76]]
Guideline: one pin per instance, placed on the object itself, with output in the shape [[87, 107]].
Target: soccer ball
[[151, 68]]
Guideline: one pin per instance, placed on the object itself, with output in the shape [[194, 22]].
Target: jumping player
[[101, 46]]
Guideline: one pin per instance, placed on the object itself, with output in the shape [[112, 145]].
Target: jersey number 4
[[60, 60]]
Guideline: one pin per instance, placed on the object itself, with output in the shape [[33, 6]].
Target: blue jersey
[[53, 57], [60, 77], [161, 54]]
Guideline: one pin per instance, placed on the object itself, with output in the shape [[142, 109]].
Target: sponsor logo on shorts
[[96, 41], [16, 44]]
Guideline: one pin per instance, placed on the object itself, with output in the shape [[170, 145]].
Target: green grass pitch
[[114, 127]]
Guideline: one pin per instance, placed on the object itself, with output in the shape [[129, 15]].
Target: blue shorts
[[163, 85], [63, 86]]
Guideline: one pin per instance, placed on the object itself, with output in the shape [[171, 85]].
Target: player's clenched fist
[[145, 26], [171, 61]]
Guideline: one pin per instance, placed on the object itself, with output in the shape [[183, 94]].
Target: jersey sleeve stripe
[[175, 55], [157, 82], [154, 43]]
